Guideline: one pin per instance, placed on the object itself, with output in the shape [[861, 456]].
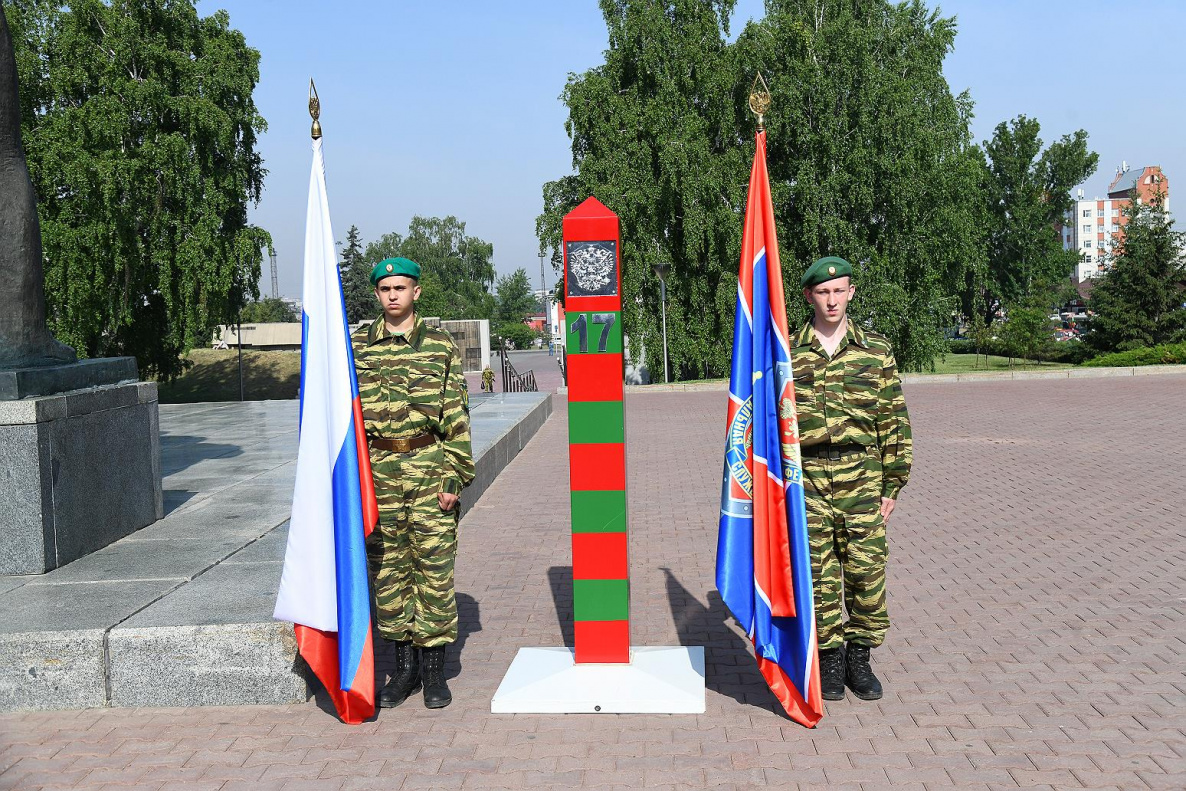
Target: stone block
[[106, 481], [269, 548], [52, 670], [26, 512], [83, 470], [129, 559], [85, 605], [212, 642], [47, 380]]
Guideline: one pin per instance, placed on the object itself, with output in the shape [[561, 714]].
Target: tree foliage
[[140, 131], [869, 153], [272, 309], [655, 137], [456, 270], [355, 273], [513, 300], [1027, 193], [1140, 299]]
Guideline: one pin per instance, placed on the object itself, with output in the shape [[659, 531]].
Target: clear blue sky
[[452, 108]]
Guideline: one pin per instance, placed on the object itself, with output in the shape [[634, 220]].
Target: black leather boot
[[406, 678], [831, 673], [436, 691], [859, 675]]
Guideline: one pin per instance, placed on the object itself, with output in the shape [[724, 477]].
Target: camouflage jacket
[[412, 383], [853, 398]]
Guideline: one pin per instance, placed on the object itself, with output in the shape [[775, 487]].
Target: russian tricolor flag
[[763, 557], [324, 589]]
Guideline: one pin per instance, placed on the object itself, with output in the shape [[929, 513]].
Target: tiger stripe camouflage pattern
[[410, 384], [852, 399]]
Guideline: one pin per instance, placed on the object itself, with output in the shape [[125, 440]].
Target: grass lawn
[[214, 376], [970, 363]]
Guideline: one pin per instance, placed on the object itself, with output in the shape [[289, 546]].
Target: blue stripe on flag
[[354, 612]]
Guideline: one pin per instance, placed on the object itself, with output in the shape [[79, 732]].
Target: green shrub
[[1165, 354]]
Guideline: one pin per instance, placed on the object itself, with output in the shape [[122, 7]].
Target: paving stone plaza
[[1037, 594]]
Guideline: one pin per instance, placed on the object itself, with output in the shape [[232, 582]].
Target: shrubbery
[[1165, 354], [1073, 352]]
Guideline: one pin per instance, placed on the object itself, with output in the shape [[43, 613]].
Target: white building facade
[[1089, 230]]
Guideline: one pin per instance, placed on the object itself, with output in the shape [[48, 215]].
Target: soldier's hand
[[887, 508], [447, 501]]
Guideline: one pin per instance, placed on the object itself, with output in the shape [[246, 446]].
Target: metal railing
[[512, 380]]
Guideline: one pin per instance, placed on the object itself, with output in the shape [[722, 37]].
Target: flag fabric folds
[[324, 589], [763, 556]]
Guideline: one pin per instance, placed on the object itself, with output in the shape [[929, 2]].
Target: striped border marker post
[[603, 673], [596, 434]]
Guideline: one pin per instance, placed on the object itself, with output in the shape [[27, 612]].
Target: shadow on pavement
[[560, 580], [181, 451], [729, 665]]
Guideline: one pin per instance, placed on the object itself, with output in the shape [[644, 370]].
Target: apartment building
[[1095, 226]]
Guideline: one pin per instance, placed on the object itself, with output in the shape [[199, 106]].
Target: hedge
[[1165, 354]]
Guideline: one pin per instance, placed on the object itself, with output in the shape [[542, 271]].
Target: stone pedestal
[[81, 468]]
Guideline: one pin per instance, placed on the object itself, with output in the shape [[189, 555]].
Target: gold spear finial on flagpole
[[759, 100], [315, 109]]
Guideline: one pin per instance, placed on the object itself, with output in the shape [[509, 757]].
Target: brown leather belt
[[827, 451], [405, 445]]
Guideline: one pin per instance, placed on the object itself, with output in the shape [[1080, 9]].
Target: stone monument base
[[84, 466]]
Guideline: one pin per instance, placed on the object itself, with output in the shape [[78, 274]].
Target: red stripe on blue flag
[[763, 556]]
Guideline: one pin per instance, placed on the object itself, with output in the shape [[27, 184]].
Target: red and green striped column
[[596, 435]]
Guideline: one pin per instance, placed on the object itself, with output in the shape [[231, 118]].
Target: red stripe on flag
[[806, 713], [370, 505], [772, 543], [602, 641], [594, 377], [597, 467], [320, 650], [599, 556]]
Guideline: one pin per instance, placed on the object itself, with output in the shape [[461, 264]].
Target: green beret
[[827, 268], [394, 266]]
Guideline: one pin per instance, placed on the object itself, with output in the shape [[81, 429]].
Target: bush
[[1165, 354], [1073, 352], [520, 335]]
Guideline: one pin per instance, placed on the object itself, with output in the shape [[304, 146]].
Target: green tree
[[271, 309], [655, 137], [1027, 330], [513, 300], [520, 336], [870, 157], [1140, 299], [140, 131], [457, 271], [1028, 193], [355, 272]]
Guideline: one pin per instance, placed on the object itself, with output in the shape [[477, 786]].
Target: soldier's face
[[397, 295], [830, 298]]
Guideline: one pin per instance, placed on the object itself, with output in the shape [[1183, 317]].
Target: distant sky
[[453, 108]]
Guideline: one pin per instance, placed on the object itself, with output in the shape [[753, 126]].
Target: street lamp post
[[661, 271], [543, 298]]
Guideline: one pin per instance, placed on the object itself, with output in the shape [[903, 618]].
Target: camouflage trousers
[[411, 553], [848, 548]]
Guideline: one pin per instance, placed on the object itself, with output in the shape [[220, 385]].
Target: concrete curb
[[986, 376]]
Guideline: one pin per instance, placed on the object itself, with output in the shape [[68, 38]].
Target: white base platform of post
[[658, 680]]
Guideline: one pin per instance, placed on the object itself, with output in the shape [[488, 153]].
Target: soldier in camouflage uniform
[[854, 435], [416, 411]]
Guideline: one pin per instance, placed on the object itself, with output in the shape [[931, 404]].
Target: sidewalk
[[1036, 592]]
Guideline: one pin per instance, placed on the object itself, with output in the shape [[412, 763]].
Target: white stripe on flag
[[308, 584]]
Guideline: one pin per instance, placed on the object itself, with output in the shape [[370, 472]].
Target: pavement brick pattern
[[1036, 589]]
